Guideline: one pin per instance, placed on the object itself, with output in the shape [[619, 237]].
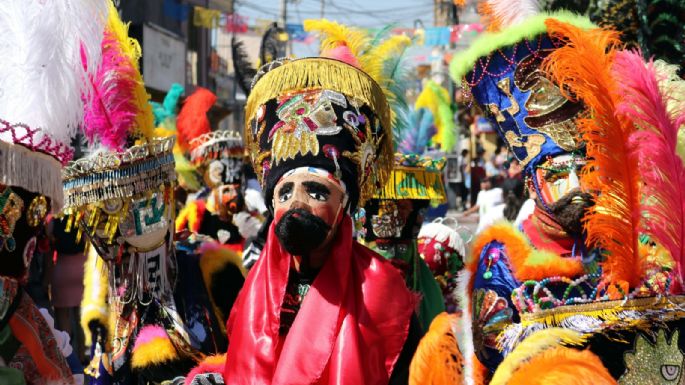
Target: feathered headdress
[[654, 146], [197, 138], [165, 120], [244, 71], [41, 87], [583, 69], [380, 56], [119, 108], [532, 347], [119, 112], [436, 100]]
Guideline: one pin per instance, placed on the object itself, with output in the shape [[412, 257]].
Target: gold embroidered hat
[[323, 113], [502, 70]]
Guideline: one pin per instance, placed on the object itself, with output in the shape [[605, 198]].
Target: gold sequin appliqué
[[654, 363]]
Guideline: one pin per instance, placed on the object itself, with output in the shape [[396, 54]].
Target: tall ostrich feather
[[582, 68], [654, 145]]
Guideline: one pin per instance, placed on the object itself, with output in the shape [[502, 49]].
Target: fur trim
[[489, 42], [525, 261], [211, 364], [215, 258], [464, 290], [152, 347], [94, 305]]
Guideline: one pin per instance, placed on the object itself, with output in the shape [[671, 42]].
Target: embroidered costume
[[596, 265], [41, 45], [216, 210], [157, 307], [317, 307]]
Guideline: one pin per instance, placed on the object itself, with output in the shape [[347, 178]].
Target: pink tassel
[[654, 145], [111, 111]]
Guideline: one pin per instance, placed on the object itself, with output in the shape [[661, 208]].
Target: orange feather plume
[[192, 120], [563, 366], [583, 69], [437, 360]]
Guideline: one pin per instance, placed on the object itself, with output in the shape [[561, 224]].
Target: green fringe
[[484, 45]]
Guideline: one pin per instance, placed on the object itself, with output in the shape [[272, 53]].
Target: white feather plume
[[511, 12], [41, 71]]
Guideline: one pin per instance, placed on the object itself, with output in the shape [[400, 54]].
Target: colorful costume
[[392, 222], [317, 307], [161, 310], [588, 268], [218, 155], [41, 44]]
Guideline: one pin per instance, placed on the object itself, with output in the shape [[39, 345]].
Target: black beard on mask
[[569, 214], [300, 232]]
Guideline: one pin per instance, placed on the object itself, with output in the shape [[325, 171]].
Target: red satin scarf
[[350, 328]]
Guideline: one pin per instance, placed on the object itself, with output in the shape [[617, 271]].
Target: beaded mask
[[123, 198], [530, 112]]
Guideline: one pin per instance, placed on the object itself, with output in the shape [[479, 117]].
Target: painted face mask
[[308, 205]]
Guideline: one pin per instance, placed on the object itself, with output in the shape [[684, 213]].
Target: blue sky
[[363, 13]]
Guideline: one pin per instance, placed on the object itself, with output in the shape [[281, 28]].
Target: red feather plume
[[192, 120], [582, 68], [654, 145]]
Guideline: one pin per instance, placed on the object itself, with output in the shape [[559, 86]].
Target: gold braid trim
[[335, 75], [670, 307]]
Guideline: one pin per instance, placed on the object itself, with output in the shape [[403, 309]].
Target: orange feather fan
[[562, 366], [583, 69], [192, 120], [437, 360]]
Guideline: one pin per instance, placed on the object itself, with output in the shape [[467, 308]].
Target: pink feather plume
[[654, 145], [342, 53], [111, 110]]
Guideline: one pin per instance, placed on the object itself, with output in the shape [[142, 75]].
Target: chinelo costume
[[588, 289], [153, 311], [41, 106], [217, 208], [317, 307]]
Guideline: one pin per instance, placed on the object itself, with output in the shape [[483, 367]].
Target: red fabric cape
[[559, 243], [350, 329]]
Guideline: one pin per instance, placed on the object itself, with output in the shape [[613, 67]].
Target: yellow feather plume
[[334, 35], [563, 366], [131, 49], [532, 346]]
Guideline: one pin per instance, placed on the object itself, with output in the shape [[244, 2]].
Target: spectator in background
[[527, 208], [489, 196], [462, 190], [513, 194], [513, 167], [477, 173]]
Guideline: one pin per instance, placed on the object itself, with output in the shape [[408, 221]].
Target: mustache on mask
[[569, 210], [300, 232]]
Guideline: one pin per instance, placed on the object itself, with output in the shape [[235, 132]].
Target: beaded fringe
[[33, 171], [592, 318]]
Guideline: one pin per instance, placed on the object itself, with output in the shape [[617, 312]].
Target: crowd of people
[[298, 251]]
